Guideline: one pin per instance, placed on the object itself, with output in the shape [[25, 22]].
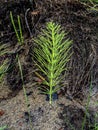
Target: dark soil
[[73, 116], [82, 26]]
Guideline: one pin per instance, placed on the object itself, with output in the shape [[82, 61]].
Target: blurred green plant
[[92, 5], [93, 126], [3, 49], [52, 53], [3, 70], [96, 118], [21, 41], [24, 90], [18, 35], [87, 107], [90, 1], [4, 64], [3, 127]]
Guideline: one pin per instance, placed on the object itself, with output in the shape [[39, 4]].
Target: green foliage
[[87, 106], [3, 49], [52, 54], [24, 90], [18, 35], [96, 126], [93, 126], [96, 118], [91, 1], [92, 5], [3, 127], [21, 41]]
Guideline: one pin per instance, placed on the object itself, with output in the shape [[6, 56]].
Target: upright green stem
[[26, 98], [51, 79], [19, 36], [50, 94], [87, 106], [13, 23], [52, 65], [20, 29]]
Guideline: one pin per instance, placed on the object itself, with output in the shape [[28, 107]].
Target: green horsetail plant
[[52, 52], [21, 40], [18, 35]]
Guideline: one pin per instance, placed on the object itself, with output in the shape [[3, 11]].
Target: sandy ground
[[43, 115]]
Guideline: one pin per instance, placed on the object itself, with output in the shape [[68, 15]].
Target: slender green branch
[[21, 35], [26, 98], [18, 35], [13, 23]]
